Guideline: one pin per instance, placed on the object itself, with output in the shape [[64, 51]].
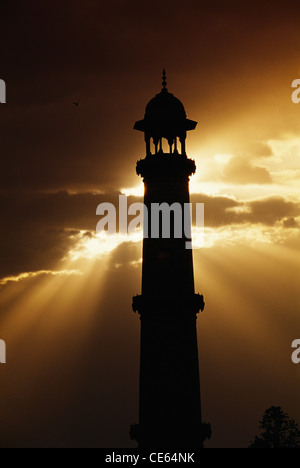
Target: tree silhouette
[[277, 430]]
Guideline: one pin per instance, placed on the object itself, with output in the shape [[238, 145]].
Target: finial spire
[[164, 78]]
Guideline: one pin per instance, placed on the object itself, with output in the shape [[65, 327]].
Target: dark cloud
[[290, 223], [239, 170], [126, 255], [38, 229], [222, 211], [271, 210], [218, 211]]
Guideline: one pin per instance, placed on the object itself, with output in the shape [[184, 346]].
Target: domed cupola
[[165, 117]]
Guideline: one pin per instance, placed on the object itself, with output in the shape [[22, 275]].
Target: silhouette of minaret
[[169, 407]]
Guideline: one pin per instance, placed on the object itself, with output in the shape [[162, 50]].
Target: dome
[[165, 104]]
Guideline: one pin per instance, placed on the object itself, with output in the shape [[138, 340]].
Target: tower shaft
[[170, 409]]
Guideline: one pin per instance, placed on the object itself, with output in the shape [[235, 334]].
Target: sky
[[71, 377]]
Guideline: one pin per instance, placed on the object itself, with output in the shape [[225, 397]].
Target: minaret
[[169, 407]]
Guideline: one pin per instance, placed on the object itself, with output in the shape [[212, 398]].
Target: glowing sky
[[65, 294]]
